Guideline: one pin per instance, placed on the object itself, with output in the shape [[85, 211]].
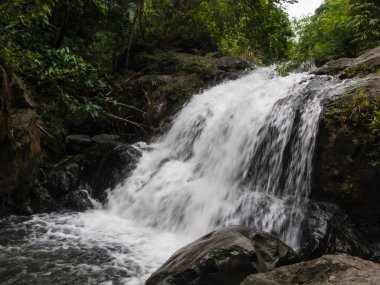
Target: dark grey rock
[[104, 166], [230, 64], [77, 142], [224, 257], [328, 229], [62, 179], [98, 168], [106, 139], [78, 200]]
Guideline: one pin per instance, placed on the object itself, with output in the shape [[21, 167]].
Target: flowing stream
[[238, 153]]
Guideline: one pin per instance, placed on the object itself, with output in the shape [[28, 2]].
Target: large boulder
[[224, 256], [367, 63], [347, 160], [328, 270], [75, 181], [327, 229]]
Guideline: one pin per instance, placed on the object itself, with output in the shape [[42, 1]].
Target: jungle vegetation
[[79, 45]]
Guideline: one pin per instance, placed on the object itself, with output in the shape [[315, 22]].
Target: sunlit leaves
[[340, 28]]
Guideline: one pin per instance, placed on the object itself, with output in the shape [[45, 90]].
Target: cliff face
[[347, 159], [19, 145]]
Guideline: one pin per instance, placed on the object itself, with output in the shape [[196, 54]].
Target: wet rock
[[231, 64], [346, 171], [104, 166], [107, 139], [98, 168], [229, 75], [62, 179], [224, 256], [77, 142], [329, 269], [328, 229], [78, 200]]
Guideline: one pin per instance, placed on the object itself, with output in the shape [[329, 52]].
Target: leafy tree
[[71, 46], [339, 28], [258, 29]]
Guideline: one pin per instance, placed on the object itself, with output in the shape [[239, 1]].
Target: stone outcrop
[[224, 256], [367, 63], [327, 229], [20, 149], [83, 177], [329, 270], [346, 168]]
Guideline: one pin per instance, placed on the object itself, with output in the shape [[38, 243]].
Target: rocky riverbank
[[51, 160], [238, 255]]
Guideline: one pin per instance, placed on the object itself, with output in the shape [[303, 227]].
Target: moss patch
[[348, 160]]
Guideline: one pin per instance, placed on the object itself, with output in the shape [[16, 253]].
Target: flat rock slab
[[224, 256], [350, 67], [328, 269]]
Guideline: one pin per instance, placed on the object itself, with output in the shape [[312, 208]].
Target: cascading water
[[239, 153]]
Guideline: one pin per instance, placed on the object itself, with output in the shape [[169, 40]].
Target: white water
[[239, 153], [193, 179]]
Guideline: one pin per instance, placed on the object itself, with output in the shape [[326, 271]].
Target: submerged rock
[[224, 256], [329, 269]]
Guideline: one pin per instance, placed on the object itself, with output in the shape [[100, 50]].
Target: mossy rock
[[348, 151]]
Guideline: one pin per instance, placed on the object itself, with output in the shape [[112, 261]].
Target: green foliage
[[70, 46], [256, 30], [339, 28], [85, 106], [46, 42], [358, 117]]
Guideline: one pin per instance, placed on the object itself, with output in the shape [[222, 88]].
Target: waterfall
[[237, 153]]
